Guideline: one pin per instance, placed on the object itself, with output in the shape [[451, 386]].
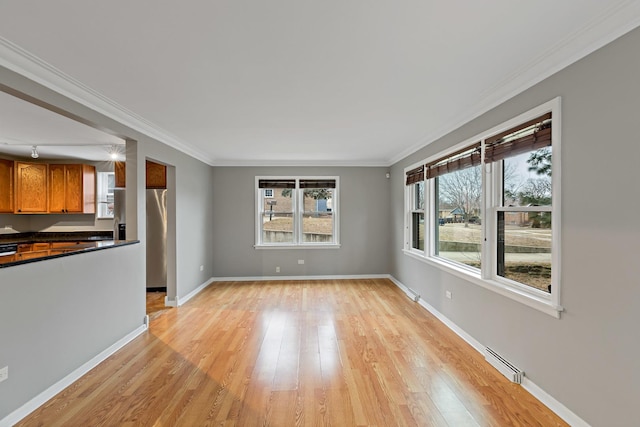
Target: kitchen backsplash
[[10, 223]]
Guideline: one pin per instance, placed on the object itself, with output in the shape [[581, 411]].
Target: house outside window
[[296, 212]]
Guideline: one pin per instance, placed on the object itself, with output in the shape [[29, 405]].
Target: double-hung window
[[519, 161], [455, 184], [415, 181], [485, 209], [297, 211]]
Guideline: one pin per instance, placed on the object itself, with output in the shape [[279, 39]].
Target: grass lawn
[[322, 225], [536, 274]]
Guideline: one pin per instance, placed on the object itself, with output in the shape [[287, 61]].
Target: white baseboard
[[441, 317], [328, 277], [179, 301], [562, 411], [65, 382], [558, 408]]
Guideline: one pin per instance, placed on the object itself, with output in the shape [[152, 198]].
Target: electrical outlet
[[448, 294], [4, 373], [277, 269], [202, 268], [300, 261]]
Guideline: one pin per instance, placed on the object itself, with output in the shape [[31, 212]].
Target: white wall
[[588, 359]]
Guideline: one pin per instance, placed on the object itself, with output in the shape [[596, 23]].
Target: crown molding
[[618, 19], [293, 163], [22, 62]]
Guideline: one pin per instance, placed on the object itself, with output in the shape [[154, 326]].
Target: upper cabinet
[[31, 181], [6, 186], [120, 169], [72, 188], [156, 175]]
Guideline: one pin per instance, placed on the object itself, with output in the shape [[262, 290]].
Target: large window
[[297, 211], [488, 207], [456, 181]]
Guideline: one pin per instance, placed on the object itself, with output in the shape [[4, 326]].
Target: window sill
[[331, 246], [532, 300]]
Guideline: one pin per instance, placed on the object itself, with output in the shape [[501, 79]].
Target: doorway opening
[[160, 236]]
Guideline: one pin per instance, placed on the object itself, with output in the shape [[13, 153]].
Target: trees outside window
[[490, 208]]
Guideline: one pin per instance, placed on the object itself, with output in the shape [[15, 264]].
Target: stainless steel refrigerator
[[156, 238]]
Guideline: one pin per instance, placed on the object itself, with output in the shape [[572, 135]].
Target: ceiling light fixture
[[34, 152], [114, 152]]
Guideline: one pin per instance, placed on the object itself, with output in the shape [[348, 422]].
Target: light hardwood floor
[[304, 353]]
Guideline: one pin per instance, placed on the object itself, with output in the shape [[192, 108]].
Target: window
[[456, 181], [521, 161], [295, 211], [489, 205], [106, 184], [415, 179]]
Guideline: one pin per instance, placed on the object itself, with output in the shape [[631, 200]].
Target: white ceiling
[[358, 82], [23, 125]]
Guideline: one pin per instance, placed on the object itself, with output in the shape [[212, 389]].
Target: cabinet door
[[31, 188], [74, 189], [156, 175], [57, 188], [6, 185], [120, 169]]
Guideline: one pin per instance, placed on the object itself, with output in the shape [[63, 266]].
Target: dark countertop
[[79, 242]]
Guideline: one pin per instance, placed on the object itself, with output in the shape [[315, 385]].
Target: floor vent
[[413, 295], [504, 366]]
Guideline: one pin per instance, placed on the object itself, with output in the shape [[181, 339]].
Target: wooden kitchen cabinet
[[31, 255], [40, 246], [6, 186], [120, 169], [156, 175], [24, 247], [31, 189], [72, 188]]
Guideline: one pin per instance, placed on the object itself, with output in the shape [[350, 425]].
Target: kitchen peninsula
[[23, 248]]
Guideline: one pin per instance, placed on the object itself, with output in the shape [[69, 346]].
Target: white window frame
[[297, 204], [102, 193], [487, 277], [413, 209]]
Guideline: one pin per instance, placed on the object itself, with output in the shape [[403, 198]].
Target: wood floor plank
[[295, 353]]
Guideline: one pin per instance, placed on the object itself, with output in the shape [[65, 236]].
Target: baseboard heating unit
[[413, 294], [505, 367]]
